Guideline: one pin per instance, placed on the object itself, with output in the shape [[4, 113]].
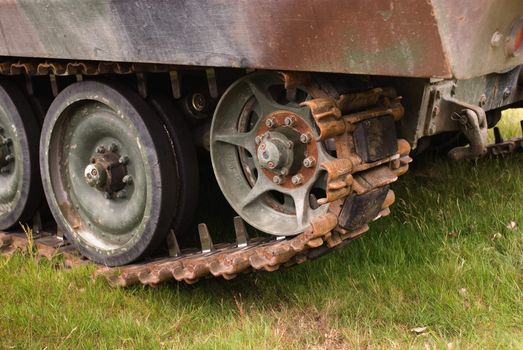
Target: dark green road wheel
[[108, 172], [20, 186], [265, 155], [186, 164]]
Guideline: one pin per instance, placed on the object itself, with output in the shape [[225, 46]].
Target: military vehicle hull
[[438, 38]]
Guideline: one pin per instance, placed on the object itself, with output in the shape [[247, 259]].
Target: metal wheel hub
[[6, 156], [284, 149], [107, 171], [276, 152]]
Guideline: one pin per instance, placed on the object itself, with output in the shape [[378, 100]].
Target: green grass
[[448, 258]]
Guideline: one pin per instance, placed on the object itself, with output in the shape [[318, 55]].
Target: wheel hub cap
[[95, 175], [276, 152], [107, 171]]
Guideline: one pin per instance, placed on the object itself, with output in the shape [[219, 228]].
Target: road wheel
[[20, 185], [108, 171]]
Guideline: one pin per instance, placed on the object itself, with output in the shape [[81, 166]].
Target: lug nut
[[123, 160], [290, 121], [9, 158], [506, 93], [121, 194], [258, 140], [270, 165], [270, 123], [277, 179], [309, 162], [284, 171], [305, 138], [100, 149], [113, 147], [128, 179], [297, 179]]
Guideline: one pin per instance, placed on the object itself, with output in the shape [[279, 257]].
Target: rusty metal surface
[[378, 37], [46, 246], [502, 147], [56, 67]]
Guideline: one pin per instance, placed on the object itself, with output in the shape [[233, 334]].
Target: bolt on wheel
[[20, 187], [108, 183], [265, 155]]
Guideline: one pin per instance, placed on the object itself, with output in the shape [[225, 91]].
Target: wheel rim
[[265, 156], [106, 180], [20, 192], [11, 167]]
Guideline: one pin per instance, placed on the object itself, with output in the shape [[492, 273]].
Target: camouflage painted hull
[[438, 38]]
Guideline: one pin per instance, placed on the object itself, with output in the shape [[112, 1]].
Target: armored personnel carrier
[[112, 113]]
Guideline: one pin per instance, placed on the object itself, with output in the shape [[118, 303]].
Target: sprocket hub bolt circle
[[95, 175], [290, 121], [309, 162], [305, 137], [123, 160], [128, 179], [100, 149], [277, 179], [297, 179], [270, 123], [113, 147]]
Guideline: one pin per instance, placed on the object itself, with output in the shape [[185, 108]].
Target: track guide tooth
[[242, 237], [172, 243], [205, 238]]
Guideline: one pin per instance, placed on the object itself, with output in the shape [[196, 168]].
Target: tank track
[[357, 189]]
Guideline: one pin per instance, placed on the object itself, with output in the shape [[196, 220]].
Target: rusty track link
[[363, 179], [46, 246], [63, 68]]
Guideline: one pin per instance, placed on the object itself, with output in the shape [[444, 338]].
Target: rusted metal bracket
[[472, 121]]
